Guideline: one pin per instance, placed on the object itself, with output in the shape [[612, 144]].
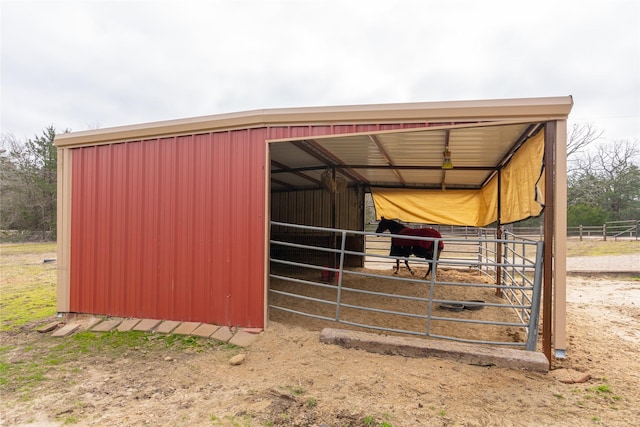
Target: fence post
[[604, 231], [534, 317], [580, 232]]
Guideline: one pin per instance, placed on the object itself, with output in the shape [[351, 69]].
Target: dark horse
[[406, 247]]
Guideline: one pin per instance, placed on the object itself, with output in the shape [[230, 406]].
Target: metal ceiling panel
[[354, 150], [455, 178], [419, 149], [422, 177], [399, 158], [291, 156], [483, 146], [378, 176]]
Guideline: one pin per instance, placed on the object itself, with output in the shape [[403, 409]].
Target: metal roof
[[481, 135]]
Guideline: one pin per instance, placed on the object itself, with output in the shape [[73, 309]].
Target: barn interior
[[468, 174], [463, 174]]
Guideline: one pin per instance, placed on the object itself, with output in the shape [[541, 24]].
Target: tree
[[581, 214], [607, 178], [29, 184], [10, 187], [579, 137]]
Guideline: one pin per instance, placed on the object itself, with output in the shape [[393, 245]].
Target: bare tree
[[609, 178], [580, 136]]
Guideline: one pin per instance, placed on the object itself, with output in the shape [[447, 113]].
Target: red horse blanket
[[418, 232]]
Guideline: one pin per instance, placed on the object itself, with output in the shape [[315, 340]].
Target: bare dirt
[[289, 378]]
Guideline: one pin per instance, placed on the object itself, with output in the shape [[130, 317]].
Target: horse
[[405, 247]]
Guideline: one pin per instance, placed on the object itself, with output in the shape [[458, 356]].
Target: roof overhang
[[540, 109]]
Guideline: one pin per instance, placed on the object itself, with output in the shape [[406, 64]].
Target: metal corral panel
[[171, 228]]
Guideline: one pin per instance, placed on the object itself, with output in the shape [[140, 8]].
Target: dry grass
[[27, 283], [575, 247]]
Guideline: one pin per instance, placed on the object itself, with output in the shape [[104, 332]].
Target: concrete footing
[[471, 354]]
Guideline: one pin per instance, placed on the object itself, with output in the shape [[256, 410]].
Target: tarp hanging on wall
[[522, 195]]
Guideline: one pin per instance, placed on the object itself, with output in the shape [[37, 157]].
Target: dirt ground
[[289, 378]]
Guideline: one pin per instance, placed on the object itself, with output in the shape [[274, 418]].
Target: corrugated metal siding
[[171, 229], [313, 207]]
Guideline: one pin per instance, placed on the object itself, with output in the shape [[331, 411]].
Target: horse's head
[[387, 224], [382, 225]]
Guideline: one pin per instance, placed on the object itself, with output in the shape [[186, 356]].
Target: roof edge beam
[[522, 109]]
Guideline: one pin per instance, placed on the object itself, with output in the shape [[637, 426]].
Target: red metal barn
[[170, 220]]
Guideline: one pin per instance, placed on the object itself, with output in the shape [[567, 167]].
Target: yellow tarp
[[522, 195]]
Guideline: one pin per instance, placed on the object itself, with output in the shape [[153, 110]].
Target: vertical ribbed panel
[[171, 229], [313, 207]]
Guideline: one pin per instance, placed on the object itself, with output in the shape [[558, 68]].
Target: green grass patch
[[114, 342], [21, 376], [27, 303], [371, 421], [296, 391], [601, 389]]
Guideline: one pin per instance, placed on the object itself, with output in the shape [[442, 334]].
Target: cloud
[[75, 64]]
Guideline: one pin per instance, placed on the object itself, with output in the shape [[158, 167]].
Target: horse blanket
[[422, 246]]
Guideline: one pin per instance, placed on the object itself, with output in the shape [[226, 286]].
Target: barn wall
[[170, 228], [313, 207]]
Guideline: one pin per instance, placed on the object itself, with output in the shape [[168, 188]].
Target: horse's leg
[[431, 264], [406, 262], [397, 269], [428, 271]]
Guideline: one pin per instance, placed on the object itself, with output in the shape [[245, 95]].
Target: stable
[[172, 220]]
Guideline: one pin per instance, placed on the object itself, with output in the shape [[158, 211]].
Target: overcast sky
[[95, 64]]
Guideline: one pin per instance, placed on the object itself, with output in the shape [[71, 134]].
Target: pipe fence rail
[[624, 229], [335, 282]]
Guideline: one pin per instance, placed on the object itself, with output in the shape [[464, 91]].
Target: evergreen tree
[[29, 184]]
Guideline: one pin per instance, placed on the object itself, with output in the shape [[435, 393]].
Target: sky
[[82, 65]]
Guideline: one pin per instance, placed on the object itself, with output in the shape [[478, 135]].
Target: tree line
[[603, 182]]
